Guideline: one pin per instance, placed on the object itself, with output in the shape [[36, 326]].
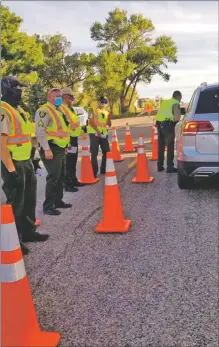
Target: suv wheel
[[184, 182]]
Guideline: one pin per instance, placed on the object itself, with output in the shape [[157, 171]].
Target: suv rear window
[[208, 101]]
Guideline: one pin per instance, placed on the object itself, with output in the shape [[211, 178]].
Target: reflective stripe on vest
[[18, 137], [60, 132], [73, 125]]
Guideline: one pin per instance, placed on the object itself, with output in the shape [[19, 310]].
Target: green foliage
[[111, 69], [129, 54], [133, 36], [20, 53]]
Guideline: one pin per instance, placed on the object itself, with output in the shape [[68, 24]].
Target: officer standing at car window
[[76, 130], [99, 120], [52, 132], [167, 117], [20, 184]]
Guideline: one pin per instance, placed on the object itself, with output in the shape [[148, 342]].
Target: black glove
[[84, 128], [15, 179]]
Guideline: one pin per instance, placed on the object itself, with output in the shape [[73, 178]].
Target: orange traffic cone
[[87, 175], [142, 171], [128, 141], [155, 145], [115, 147], [19, 324], [113, 217], [152, 131]]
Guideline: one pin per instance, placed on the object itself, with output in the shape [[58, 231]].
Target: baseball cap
[[67, 91], [103, 100]]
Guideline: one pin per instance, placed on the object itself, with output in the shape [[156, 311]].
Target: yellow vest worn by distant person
[[58, 132], [74, 121], [100, 119], [166, 110], [19, 139]]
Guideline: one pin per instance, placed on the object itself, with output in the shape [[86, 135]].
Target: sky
[[192, 24]]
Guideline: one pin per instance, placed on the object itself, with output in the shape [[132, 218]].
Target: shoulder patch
[[42, 114]]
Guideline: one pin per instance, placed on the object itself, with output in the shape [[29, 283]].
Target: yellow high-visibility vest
[[165, 112], [100, 119], [74, 121], [19, 139], [58, 131]]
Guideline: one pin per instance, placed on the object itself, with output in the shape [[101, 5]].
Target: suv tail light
[[192, 128]]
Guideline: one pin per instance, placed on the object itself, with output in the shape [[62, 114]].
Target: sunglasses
[[104, 102], [70, 96]]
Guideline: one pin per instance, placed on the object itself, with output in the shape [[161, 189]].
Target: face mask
[[58, 101], [13, 96]]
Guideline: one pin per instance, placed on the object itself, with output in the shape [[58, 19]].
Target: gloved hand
[[15, 179]]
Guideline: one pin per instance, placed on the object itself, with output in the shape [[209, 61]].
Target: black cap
[[11, 82], [103, 100]]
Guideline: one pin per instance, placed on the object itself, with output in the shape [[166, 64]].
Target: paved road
[[155, 286]]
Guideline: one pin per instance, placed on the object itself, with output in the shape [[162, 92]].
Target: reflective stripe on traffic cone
[[152, 131], [113, 217], [19, 324], [115, 147], [142, 171], [155, 145], [87, 175], [128, 141]]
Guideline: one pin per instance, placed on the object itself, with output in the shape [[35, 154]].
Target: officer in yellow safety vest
[[167, 117], [76, 130], [20, 185], [52, 132], [99, 120]]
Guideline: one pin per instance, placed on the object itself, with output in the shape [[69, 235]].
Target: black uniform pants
[[56, 174], [23, 197], [166, 137], [71, 163], [95, 142]]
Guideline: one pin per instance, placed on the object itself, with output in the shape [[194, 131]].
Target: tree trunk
[[111, 104], [133, 92]]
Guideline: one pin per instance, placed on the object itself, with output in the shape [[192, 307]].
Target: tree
[[55, 48], [133, 36], [21, 54], [111, 69]]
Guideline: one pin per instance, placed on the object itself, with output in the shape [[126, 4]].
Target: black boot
[[62, 204], [35, 237], [52, 212], [78, 184], [171, 170]]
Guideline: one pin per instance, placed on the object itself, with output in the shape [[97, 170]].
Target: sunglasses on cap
[[70, 96]]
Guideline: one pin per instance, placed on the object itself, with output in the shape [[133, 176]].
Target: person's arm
[[92, 123], [176, 112], [5, 154], [109, 120], [42, 120]]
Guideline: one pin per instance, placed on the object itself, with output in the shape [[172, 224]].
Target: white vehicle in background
[[197, 137], [82, 113]]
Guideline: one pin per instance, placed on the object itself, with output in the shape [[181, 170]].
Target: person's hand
[[48, 154], [15, 179], [98, 133]]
